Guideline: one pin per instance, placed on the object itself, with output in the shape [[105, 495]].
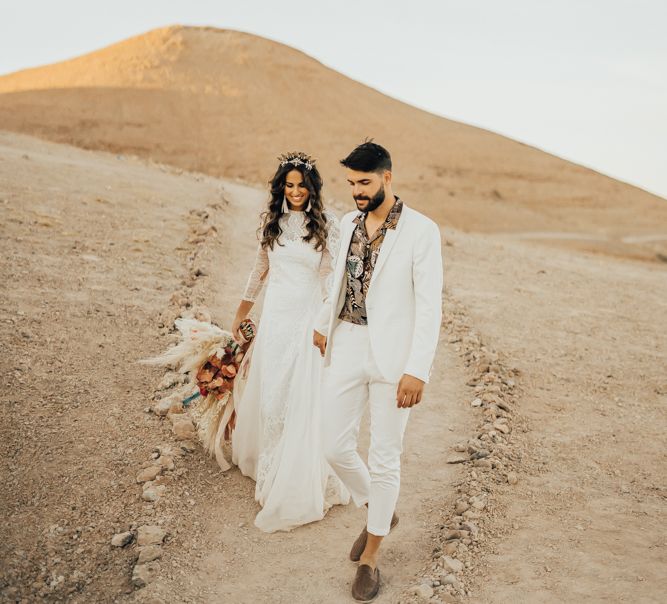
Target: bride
[[276, 440]]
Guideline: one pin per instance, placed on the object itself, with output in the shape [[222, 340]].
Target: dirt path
[[241, 564]]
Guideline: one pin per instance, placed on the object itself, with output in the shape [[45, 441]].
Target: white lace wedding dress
[[277, 436]]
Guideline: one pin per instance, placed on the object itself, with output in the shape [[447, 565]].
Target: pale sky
[[583, 79]]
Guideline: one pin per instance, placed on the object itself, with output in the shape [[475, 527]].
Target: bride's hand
[[320, 341], [236, 332]]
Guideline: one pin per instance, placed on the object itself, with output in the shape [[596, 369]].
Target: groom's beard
[[373, 202]]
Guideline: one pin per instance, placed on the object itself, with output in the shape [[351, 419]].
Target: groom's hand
[[410, 390], [320, 341]]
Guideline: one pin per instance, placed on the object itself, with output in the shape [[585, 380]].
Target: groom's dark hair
[[368, 157]]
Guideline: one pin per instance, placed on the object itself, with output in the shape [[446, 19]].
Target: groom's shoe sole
[[359, 545]]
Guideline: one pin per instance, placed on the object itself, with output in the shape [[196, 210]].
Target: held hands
[[410, 390], [320, 341]]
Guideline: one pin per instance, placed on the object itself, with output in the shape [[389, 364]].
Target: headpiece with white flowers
[[297, 158]]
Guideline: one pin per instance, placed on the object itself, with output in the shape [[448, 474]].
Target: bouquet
[[213, 359]]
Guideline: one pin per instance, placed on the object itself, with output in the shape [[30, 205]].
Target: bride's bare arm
[[254, 285]]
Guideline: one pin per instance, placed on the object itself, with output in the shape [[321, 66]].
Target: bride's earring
[[285, 206], [308, 206]]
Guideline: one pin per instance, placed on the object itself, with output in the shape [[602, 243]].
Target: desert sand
[[552, 357]]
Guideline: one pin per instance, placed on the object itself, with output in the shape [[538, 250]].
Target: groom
[[378, 334]]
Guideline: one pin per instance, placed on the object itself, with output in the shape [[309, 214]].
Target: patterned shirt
[[361, 258]]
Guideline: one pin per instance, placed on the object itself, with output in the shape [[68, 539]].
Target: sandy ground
[[588, 334], [97, 247]]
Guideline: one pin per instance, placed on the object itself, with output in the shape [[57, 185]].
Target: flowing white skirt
[[277, 440]]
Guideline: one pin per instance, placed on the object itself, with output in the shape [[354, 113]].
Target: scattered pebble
[[150, 535], [122, 539]]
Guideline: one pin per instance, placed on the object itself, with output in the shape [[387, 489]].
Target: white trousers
[[352, 381]]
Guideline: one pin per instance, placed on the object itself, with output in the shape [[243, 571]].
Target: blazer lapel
[[387, 244], [341, 261]]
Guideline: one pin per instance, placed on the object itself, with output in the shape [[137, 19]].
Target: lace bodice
[[293, 225]]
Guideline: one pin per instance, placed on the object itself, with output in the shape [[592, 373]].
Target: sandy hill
[[226, 103]]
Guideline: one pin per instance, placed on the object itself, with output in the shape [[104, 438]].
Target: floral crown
[[297, 158]]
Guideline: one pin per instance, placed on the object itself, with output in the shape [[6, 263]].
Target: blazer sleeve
[[427, 282], [323, 318], [327, 267]]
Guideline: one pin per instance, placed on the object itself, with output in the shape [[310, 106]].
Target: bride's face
[[296, 191]]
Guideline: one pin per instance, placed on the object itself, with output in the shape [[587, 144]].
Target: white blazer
[[404, 299]]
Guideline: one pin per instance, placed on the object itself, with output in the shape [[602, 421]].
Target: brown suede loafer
[[366, 584], [359, 545]]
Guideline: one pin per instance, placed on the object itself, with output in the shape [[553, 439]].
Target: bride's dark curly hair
[[317, 221]]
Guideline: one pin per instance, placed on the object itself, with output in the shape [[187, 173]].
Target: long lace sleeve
[[257, 275], [329, 255], [327, 265]]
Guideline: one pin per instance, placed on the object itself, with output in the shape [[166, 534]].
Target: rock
[[424, 591], [184, 428], [162, 407], [187, 446], [485, 464], [461, 506], [122, 539], [176, 406], [512, 477], [470, 526], [148, 474], [452, 564], [149, 553], [170, 451], [450, 580], [501, 427], [150, 535], [476, 402], [503, 406], [479, 504], [178, 418], [454, 534], [489, 397], [450, 547], [166, 462], [143, 574], [152, 492]]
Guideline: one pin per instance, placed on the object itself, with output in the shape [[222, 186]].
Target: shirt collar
[[390, 221]]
